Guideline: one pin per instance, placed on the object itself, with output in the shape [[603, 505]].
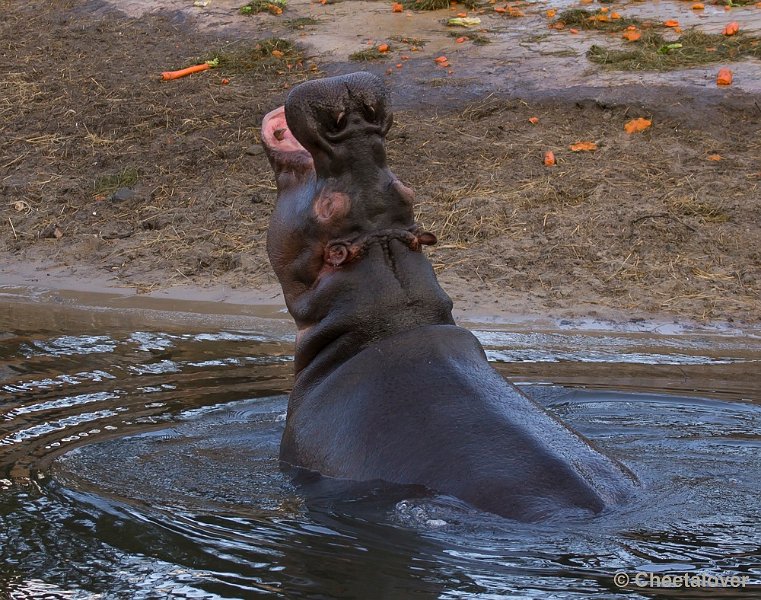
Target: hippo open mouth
[[387, 386]]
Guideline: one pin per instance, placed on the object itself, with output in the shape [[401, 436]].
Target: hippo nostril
[[369, 112]]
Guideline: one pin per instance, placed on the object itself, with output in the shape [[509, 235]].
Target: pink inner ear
[[276, 135]]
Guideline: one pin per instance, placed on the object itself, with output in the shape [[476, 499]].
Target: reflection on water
[[138, 460]]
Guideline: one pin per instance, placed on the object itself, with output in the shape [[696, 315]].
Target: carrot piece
[[533, 120], [631, 36], [698, 6], [724, 77], [714, 157], [549, 158], [583, 147], [732, 28], [550, 13], [167, 75], [637, 125], [383, 48], [671, 23], [397, 7], [460, 40], [441, 60]]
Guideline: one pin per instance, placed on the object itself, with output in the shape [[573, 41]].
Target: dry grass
[[438, 4], [263, 57], [274, 7], [108, 184], [368, 54], [653, 53], [476, 38], [598, 20]]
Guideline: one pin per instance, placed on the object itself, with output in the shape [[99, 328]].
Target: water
[[138, 460]]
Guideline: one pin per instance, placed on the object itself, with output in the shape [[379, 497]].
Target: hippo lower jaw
[[387, 387]]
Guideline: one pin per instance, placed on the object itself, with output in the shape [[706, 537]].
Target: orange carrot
[[549, 158], [637, 125], [167, 75], [583, 147], [671, 23], [724, 77], [631, 36], [732, 28]]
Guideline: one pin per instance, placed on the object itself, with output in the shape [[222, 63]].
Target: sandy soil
[[665, 222]]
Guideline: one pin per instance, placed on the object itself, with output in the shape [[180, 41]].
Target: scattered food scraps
[[732, 28], [464, 21], [637, 125], [631, 35], [583, 147], [724, 77], [714, 157]]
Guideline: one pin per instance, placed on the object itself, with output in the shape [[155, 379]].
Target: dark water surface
[[138, 460]]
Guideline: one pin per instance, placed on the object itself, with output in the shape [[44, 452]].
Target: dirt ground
[[107, 170]]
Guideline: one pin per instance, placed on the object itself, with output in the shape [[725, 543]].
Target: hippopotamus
[[387, 387]]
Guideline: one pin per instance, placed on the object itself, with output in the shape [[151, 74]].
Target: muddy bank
[[108, 173]]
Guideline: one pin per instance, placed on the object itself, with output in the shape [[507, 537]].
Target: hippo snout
[[325, 114]]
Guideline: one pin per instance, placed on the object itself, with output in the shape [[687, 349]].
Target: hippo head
[[342, 239], [342, 124]]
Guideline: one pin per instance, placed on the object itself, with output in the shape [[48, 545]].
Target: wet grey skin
[[387, 386]]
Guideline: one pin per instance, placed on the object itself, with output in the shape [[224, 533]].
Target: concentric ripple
[[147, 457]]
